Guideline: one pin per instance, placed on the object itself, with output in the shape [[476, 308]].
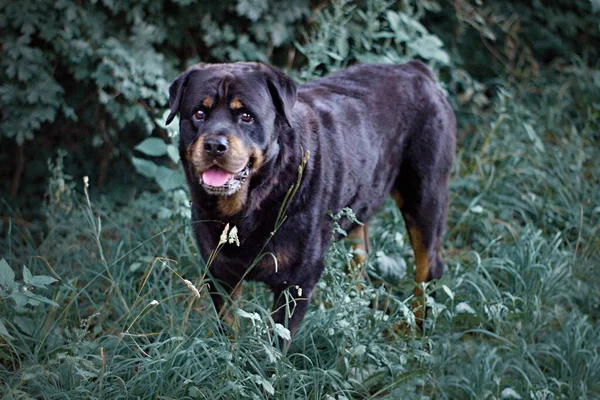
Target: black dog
[[372, 130]]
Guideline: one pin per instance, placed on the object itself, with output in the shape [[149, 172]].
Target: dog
[[371, 130]]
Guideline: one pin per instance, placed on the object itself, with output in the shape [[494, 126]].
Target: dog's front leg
[[224, 295], [289, 307]]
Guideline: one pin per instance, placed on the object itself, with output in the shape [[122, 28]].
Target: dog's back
[[375, 120]]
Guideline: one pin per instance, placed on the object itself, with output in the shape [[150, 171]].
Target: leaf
[[477, 209], [359, 350], [390, 267], [144, 167], [253, 9], [41, 281], [265, 384], [509, 393], [282, 332], [154, 147], [135, 266], [35, 299], [4, 331], [464, 308], [169, 179], [533, 136], [20, 300], [272, 355], [173, 153], [430, 48], [25, 324], [448, 292], [7, 276], [26, 274], [245, 314]]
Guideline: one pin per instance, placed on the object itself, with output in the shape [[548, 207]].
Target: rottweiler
[[371, 130]]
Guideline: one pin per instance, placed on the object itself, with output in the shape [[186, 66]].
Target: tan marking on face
[[207, 102], [234, 161], [397, 198], [257, 158], [236, 104], [238, 153], [194, 155]]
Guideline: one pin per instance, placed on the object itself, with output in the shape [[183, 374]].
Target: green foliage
[[518, 37], [515, 315], [104, 69], [22, 294], [167, 178], [380, 31]]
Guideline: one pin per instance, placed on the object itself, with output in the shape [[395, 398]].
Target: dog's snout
[[216, 146]]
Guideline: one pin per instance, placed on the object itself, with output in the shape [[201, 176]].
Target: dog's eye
[[247, 118], [199, 115]]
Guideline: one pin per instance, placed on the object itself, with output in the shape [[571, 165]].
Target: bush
[[91, 78]]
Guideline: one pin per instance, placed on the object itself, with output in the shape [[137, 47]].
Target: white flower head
[[193, 288], [233, 237], [223, 238]]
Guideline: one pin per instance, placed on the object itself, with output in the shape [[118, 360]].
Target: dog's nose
[[216, 146]]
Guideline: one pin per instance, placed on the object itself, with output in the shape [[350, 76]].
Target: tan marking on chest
[[233, 204]]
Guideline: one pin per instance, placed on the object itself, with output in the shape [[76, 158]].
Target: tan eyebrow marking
[[235, 104], [207, 102]]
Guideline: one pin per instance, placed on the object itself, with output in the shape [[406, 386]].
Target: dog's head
[[230, 116]]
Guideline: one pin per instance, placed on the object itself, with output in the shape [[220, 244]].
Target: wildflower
[[282, 331], [193, 288], [233, 237], [299, 290], [86, 181], [223, 238], [154, 303]]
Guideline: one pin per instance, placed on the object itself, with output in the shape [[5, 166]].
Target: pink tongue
[[216, 176]]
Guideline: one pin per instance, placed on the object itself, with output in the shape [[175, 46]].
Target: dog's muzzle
[[217, 181]]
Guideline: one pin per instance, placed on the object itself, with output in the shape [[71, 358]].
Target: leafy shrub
[[516, 313], [94, 77]]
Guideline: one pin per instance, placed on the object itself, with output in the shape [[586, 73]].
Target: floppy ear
[[283, 91], [176, 92]]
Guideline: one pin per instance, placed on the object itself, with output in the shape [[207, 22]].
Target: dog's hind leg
[[359, 241], [421, 191], [424, 202]]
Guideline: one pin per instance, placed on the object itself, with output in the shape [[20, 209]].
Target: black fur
[[371, 130]]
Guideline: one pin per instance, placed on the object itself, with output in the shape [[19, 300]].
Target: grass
[[515, 315]]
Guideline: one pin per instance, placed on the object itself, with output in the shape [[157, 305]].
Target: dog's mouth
[[219, 181]]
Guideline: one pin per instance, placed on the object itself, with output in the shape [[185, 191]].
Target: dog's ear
[[283, 91], [176, 91]]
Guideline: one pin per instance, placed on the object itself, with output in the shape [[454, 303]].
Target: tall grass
[[515, 315]]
